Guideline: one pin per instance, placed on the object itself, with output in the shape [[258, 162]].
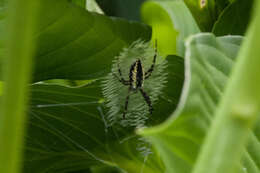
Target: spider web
[[115, 94]]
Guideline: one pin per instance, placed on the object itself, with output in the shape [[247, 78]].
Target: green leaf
[[169, 98], [208, 63], [93, 6], [169, 20], [234, 19], [68, 131], [80, 3], [68, 128], [2, 3], [237, 113], [105, 169], [204, 12], [221, 4], [18, 65], [126, 9], [71, 39], [58, 116]]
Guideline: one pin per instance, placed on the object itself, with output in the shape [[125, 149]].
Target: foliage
[[206, 56], [203, 88]]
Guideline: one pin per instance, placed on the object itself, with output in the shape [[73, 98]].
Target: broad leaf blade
[[221, 4], [71, 39], [234, 19], [80, 3], [169, 20], [68, 131], [172, 91], [57, 119], [204, 12], [208, 64]]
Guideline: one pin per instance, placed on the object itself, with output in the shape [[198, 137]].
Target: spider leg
[[120, 78], [147, 99], [150, 70], [126, 103]]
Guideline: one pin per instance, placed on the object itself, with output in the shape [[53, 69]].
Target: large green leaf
[[104, 169], [234, 19], [51, 131], [80, 3], [169, 20], [125, 9], [208, 63], [221, 4], [68, 131], [169, 99], [2, 3], [71, 39], [204, 12]]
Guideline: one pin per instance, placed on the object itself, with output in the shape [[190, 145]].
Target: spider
[[136, 80]]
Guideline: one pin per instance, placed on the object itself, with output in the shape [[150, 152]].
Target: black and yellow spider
[[137, 75]]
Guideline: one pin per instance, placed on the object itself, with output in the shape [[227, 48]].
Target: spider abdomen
[[136, 75]]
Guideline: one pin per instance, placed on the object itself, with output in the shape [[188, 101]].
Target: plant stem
[[238, 109], [17, 72]]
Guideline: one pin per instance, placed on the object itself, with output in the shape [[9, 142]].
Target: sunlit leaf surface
[[169, 20], [208, 63]]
